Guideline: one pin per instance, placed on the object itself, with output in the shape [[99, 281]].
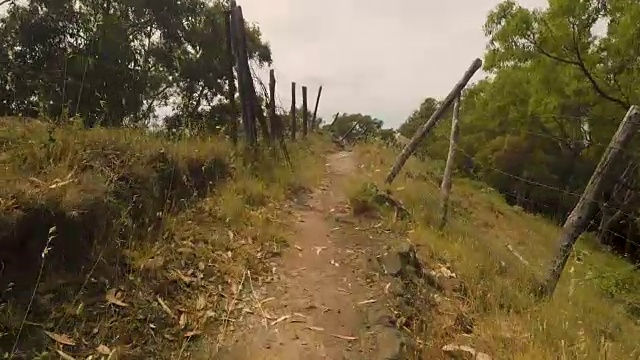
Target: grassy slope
[[166, 228], [594, 314]]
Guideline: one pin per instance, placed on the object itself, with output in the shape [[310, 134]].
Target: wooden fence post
[[231, 81], [305, 114], [433, 121], [335, 119], [294, 121], [275, 130], [277, 125], [445, 189], [581, 215], [344, 137], [315, 110], [244, 76]]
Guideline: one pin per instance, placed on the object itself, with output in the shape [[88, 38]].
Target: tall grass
[[150, 233], [594, 312]]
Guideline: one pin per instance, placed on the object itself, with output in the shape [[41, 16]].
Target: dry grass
[[147, 237], [594, 314]]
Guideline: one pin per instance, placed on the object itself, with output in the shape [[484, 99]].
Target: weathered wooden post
[[315, 110], [346, 135], [276, 132], [277, 126], [335, 119], [305, 113], [231, 81], [580, 217], [445, 189], [244, 76], [433, 121], [294, 121]]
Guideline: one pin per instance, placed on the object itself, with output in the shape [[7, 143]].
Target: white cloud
[[372, 56]]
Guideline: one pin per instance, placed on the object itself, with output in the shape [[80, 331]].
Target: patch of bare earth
[[323, 301]]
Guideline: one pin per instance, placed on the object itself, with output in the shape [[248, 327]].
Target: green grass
[[166, 226], [594, 313]]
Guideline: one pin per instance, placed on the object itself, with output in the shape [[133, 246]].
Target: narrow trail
[[322, 299]]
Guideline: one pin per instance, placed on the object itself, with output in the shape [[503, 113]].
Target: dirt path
[[320, 307]]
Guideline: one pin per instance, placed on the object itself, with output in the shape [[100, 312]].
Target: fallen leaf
[[298, 247], [231, 235], [367, 302], [59, 184], [165, 307], [183, 320], [319, 249], [343, 337], [113, 299], [315, 328], [193, 333], [280, 319], [103, 349], [201, 303], [61, 338], [266, 300]]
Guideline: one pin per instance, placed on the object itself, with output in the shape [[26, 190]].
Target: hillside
[[158, 200], [182, 237], [104, 231], [594, 313]]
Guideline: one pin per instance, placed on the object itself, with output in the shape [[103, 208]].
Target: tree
[[113, 62], [556, 92]]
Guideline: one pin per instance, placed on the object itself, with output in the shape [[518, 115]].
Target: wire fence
[[602, 205]]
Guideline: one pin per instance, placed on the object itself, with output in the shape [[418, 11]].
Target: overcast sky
[[374, 57]]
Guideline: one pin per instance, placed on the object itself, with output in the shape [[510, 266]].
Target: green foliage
[[344, 122], [560, 81], [367, 127], [116, 62]]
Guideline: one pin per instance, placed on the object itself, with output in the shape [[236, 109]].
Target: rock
[[390, 344], [401, 260], [407, 253], [444, 280], [397, 288], [410, 271], [380, 318], [391, 263], [463, 352]]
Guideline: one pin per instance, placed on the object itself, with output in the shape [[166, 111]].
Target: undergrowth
[[593, 315], [123, 242]]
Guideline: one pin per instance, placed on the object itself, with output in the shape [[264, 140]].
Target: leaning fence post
[[315, 110], [335, 119], [423, 130], [581, 214], [445, 189]]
